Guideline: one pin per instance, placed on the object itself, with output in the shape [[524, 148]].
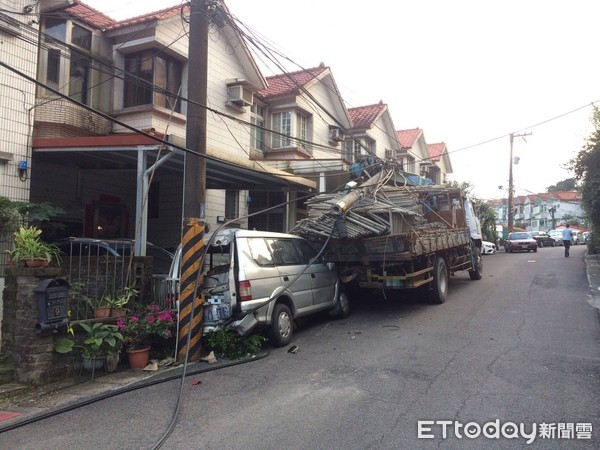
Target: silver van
[[265, 279]]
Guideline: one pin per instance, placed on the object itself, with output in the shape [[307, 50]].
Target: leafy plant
[[29, 245], [230, 345], [102, 339], [120, 299], [10, 219]]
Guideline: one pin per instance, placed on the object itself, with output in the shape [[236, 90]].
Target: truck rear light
[[245, 291]]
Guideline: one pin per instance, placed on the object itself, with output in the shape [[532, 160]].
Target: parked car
[[586, 236], [543, 239], [265, 280], [577, 238], [557, 236], [520, 241], [488, 248]]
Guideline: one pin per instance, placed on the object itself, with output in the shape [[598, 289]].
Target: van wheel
[[439, 285], [282, 326], [342, 309]]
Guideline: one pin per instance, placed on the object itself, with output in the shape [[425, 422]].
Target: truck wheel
[[475, 274], [282, 326], [439, 285]]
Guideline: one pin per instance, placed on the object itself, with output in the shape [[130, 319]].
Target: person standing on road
[[567, 235]]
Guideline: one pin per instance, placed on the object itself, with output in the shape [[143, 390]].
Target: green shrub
[[230, 345]]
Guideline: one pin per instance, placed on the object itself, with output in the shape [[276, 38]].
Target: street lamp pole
[[511, 188]]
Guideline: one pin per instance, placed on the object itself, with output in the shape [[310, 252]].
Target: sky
[[467, 72]]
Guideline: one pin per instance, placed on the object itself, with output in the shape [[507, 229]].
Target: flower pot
[[118, 312], [112, 362], [36, 263], [138, 358], [91, 364], [102, 312]]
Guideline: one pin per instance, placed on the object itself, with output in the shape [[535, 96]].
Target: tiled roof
[[407, 138], [98, 20], [364, 117], [436, 150], [89, 15], [290, 83], [566, 195]]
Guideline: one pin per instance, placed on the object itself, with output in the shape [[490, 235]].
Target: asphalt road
[[520, 346]]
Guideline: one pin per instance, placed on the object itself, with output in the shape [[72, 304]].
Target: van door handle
[[286, 278], [312, 275]]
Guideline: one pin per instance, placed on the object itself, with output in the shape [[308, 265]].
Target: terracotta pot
[[36, 263], [138, 358], [102, 312]]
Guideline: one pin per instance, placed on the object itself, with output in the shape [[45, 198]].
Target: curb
[[592, 265]]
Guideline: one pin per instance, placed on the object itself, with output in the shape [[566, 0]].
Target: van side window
[[260, 252], [307, 251], [284, 252]]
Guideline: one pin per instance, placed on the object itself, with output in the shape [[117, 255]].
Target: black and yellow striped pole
[[190, 300]]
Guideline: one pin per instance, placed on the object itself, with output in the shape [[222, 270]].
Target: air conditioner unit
[[239, 95], [335, 133]]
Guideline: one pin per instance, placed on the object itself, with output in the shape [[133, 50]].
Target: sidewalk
[[21, 403], [592, 265]]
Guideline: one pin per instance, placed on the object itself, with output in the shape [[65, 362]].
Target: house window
[[352, 150], [282, 124], [257, 118], [301, 131], [232, 204], [57, 28], [149, 78], [79, 76], [53, 68], [81, 37]]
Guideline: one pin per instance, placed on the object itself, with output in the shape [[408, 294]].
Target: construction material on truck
[[396, 237]]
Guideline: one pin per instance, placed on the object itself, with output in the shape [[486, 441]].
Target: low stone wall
[[31, 352]]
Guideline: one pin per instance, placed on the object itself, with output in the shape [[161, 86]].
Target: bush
[[230, 345]]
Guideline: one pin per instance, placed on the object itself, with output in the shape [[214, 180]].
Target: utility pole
[[194, 188], [511, 188], [194, 195]]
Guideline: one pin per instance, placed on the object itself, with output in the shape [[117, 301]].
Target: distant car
[[488, 248], [557, 236], [543, 239], [520, 241], [586, 236], [577, 237]]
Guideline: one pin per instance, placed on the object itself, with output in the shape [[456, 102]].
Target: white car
[[488, 248]]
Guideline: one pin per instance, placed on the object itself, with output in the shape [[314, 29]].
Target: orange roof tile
[[407, 138], [89, 15], [290, 83], [436, 150], [364, 117]]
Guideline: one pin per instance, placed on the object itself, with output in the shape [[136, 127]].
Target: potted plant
[[119, 300], [102, 339], [99, 305], [139, 330], [29, 248]]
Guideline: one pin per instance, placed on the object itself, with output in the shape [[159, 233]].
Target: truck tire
[[282, 326], [439, 285], [475, 274]]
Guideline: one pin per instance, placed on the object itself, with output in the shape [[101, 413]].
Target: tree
[[586, 166], [487, 218], [564, 185], [571, 220]]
